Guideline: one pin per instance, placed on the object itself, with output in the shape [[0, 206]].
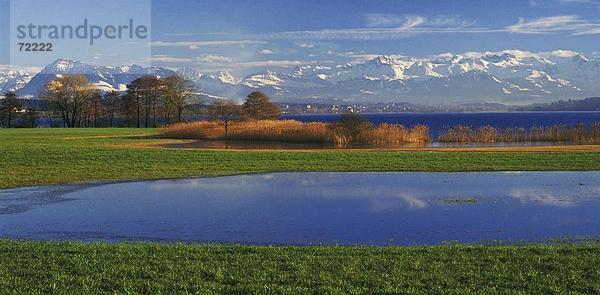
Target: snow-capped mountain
[[13, 80], [104, 77], [510, 76]]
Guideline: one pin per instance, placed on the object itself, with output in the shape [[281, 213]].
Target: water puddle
[[314, 208]]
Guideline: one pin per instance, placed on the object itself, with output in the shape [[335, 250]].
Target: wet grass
[[29, 157], [51, 156], [75, 268]]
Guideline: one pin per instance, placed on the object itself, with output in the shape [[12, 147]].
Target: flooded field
[[314, 208]]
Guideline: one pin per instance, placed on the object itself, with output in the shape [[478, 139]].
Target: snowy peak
[[507, 76], [13, 80], [189, 73], [226, 77], [105, 78], [267, 78]]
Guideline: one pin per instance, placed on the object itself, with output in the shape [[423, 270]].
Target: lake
[[313, 208], [440, 121]]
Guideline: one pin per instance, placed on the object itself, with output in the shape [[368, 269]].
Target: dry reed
[[272, 130], [557, 133], [295, 131]]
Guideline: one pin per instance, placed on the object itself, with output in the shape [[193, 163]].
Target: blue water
[[440, 121], [314, 208]]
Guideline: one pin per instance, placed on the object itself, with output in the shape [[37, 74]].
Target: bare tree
[[225, 111], [177, 92], [109, 105], [145, 91], [9, 106], [95, 107], [32, 116], [70, 95]]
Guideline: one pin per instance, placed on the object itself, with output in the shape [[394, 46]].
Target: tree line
[[149, 101], [13, 112]]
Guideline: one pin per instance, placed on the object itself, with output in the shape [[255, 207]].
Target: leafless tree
[[177, 91], [70, 95], [225, 111], [9, 106]]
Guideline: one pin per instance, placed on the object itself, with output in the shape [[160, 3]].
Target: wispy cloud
[[387, 26], [212, 58], [588, 2], [198, 44], [380, 20], [30, 70], [571, 24], [169, 59]]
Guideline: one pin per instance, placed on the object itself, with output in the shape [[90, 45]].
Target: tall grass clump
[[275, 130], [558, 133], [397, 133], [264, 130], [353, 129], [350, 130], [194, 130]]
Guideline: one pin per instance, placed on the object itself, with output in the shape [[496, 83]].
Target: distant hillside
[[588, 104]]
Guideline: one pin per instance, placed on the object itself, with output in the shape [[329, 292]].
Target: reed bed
[[194, 130], [295, 131], [286, 130], [268, 130], [581, 134], [365, 133], [396, 133]]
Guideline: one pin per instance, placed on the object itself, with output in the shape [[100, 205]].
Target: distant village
[[588, 104]]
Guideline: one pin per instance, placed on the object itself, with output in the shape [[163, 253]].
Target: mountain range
[[510, 76]]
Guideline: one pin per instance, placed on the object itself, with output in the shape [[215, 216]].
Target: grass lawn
[[73, 268], [30, 157], [49, 156]]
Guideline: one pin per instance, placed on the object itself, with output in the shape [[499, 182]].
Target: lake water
[[314, 208], [440, 121]]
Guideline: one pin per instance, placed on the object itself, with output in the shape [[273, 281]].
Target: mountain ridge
[[508, 76]]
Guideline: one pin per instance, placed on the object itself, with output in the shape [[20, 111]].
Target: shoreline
[[176, 145]]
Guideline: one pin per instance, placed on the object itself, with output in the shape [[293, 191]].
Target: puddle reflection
[[314, 208]]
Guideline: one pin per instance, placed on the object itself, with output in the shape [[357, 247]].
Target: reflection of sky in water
[[308, 208]]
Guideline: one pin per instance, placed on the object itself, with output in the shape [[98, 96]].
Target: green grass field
[[48, 156], [73, 268]]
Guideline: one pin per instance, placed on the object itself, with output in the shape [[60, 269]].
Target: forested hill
[[588, 104]]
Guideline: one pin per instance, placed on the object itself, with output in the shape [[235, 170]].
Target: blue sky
[[248, 36]]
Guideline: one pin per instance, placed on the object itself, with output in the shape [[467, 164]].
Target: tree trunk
[[138, 115]]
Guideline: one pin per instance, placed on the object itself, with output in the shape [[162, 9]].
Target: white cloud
[[275, 63], [307, 45], [266, 52], [29, 70], [379, 20], [224, 62], [519, 53], [198, 44], [211, 58], [386, 26], [572, 24], [590, 2], [169, 59]]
